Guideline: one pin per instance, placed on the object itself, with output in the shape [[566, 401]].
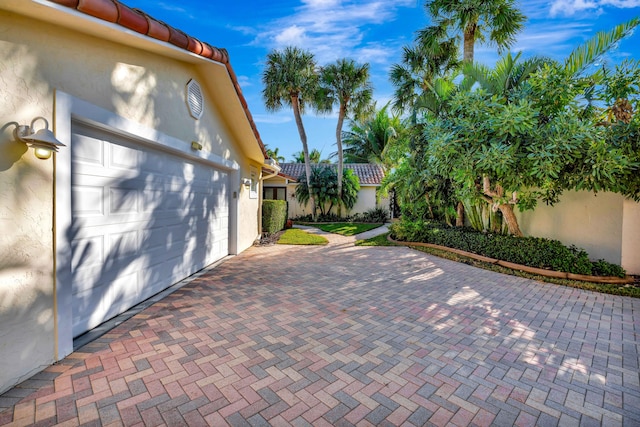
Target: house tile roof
[[367, 173], [136, 20]]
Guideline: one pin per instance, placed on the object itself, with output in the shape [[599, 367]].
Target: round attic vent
[[195, 100]]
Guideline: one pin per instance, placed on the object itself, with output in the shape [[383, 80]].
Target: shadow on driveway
[[345, 335]]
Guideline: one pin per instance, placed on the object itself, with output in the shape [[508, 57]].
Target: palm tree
[[274, 154], [508, 74], [420, 65], [346, 84], [474, 18], [314, 157], [291, 78], [368, 141]]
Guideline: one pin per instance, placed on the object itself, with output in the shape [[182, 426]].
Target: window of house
[[274, 193], [253, 190]]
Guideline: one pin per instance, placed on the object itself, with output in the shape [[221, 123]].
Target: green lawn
[[380, 240], [346, 228], [295, 236]]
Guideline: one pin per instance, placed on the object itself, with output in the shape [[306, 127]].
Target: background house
[[283, 187], [159, 177]]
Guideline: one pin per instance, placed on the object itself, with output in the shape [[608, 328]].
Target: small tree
[[324, 184]]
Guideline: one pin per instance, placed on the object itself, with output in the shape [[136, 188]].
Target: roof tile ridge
[[106, 10]]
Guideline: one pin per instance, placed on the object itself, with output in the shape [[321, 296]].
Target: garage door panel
[[89, 200], [124, 158], [142, 220], [87, 252], [89, 151], [123, 200]]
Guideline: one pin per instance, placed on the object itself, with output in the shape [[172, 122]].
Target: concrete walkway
[[344, 335]]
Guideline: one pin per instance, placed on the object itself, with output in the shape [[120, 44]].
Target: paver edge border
[[612, 280]]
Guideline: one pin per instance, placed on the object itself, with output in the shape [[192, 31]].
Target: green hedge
[[530, 251], [274, 215]]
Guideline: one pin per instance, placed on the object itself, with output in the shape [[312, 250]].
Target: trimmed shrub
[[531, 251], [373, 215], [274, 215]]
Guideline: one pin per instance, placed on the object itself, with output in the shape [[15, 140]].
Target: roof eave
[[117, 22]]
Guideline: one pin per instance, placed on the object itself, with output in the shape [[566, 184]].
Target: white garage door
[[143, 220]]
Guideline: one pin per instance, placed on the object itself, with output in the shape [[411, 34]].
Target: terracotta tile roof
[[367, 173], [140, 22]]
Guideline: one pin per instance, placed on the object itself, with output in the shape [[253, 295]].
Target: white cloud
[[244, 81], [333, 29], [570, 7], [290, 35], [321, 3], [175, 9], [551, 38]]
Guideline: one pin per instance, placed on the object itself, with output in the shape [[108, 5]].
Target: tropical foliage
[[324, 184], [315, 156], [371, 140], [476, 20], [275, 154], [523, 134]]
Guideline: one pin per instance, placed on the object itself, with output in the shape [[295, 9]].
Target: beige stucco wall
[[367, 200], [631, 236], [39, 59], [26, 268], [605, 225]]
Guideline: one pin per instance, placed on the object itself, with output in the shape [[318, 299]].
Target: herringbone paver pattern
[[343, 335]]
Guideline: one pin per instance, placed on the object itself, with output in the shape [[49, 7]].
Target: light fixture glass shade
[[42, 152]]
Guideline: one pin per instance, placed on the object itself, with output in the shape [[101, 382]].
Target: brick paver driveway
[[344, 335]]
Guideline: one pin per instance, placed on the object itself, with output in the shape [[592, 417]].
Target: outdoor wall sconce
[[246, 182], [42, 141]]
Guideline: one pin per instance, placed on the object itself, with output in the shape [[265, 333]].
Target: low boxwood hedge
[[531, 251]]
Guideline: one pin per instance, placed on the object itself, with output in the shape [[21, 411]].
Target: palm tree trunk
[[341, 115], [305, 150], [469, 41]]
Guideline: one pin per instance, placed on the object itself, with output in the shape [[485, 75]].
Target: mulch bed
[[269, 239]]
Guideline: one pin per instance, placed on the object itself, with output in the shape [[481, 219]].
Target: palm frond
[[588, 53]]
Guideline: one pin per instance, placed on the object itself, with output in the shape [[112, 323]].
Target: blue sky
[[371, 31]]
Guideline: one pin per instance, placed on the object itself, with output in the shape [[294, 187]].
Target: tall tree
[[346, 84], [420, 65], [369, 140], [526, 134], [291, 78], [474, 19]]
